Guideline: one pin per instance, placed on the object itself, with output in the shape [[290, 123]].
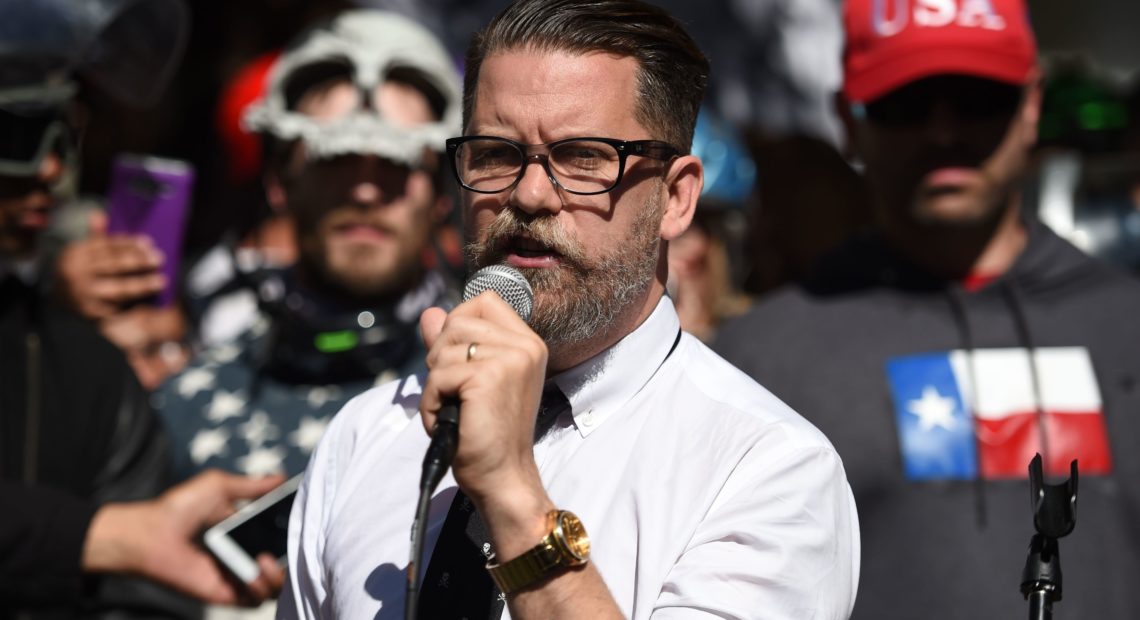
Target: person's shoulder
[[785, 302], [841, 277], [217, 368], [379, 409], [785, 322], [732, 398], [363, 430], [81, 352], [1052, 265], [60, 322]]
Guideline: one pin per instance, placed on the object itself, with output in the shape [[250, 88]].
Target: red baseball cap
[[242, 148], [891, 43]]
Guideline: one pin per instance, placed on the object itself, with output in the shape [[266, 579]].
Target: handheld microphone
[[514, 289]]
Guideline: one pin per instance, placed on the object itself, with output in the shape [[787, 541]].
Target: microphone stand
[[1054, 516]]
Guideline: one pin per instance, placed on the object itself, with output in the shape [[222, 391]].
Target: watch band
[[549, 557]]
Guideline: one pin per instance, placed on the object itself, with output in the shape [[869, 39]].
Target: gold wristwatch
[[566, 546]]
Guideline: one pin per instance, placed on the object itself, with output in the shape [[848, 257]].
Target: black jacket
[[73, 418], [954, 548], [42, 531]]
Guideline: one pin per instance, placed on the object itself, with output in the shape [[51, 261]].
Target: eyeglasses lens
[[585, 166], [579, 166]]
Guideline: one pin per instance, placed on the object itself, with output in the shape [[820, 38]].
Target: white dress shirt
[[703, 495]]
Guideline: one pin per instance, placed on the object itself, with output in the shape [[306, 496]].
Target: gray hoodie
[[942, 495]]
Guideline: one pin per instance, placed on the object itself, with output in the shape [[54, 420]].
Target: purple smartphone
[[151, 196]]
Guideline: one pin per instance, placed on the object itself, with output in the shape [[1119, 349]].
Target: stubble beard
[[583, 297], [359, 274]]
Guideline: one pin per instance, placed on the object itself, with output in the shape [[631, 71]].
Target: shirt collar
[[600, 386]]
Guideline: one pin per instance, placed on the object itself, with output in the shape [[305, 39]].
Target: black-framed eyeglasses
[[584, 166]]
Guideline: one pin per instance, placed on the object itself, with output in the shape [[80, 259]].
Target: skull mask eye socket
[[317, 78], [421, 82], [307, 79]]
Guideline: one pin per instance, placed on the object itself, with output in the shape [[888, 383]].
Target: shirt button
[[588, 418]]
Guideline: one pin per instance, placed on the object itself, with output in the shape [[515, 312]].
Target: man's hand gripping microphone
[[510, 285]]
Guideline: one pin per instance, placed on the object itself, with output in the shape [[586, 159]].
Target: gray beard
[[583, 297]]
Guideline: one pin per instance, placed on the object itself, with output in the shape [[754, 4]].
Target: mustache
[[511, 225], [344, 217]]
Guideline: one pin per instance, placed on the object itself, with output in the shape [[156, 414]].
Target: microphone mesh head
[[507, 282]]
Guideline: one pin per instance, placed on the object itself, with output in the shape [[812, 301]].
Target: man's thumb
[[431, 324]]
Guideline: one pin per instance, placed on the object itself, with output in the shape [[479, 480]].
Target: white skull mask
[[367, 47]]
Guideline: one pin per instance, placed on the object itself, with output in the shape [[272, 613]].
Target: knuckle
[[504, 371]]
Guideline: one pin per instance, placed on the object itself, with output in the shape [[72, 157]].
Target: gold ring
[[471, 348]]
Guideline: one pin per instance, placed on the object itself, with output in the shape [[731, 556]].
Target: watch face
[[574, 535]]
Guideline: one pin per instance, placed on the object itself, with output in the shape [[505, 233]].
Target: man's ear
[[683, 184], [1030, 112], [275, 194]]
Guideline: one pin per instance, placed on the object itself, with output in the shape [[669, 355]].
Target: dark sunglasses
[[28, 135], [970, 99]]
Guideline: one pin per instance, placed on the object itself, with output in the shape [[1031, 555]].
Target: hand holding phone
[[150, 196], [158, 539], [259, 527], [101, 275]]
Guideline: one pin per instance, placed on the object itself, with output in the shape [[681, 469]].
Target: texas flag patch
[[950, 431]]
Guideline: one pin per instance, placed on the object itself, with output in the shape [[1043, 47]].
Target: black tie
[[456, 584]]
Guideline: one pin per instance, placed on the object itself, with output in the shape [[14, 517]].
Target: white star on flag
[[195, 380], [262, 462], [317, 397], [207, 443], [933, 409], [309, 433], [259, 429], [225, 405], [226, 353]]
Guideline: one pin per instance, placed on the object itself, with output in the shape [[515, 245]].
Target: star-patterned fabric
[[221, 412]]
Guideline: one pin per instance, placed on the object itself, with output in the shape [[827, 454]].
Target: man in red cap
[[942, 350]]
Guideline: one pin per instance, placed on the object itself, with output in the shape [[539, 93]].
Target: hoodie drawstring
[[1025, 339], [1009, 292], [958, 309]]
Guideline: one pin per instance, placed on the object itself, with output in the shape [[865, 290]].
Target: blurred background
[[775, 66]]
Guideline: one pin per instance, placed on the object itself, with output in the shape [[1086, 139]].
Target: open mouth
[[528, 247], [524, 251]]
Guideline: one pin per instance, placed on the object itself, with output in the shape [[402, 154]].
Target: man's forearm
[[576, 593], [516, 522]]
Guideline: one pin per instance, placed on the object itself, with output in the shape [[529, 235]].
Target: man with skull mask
[[353, 118]]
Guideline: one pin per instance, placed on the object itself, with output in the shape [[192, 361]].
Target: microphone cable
[[514, 289]]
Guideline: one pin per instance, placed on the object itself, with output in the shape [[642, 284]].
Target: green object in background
[[1102, 115], [336, 342], [1082, 110]]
